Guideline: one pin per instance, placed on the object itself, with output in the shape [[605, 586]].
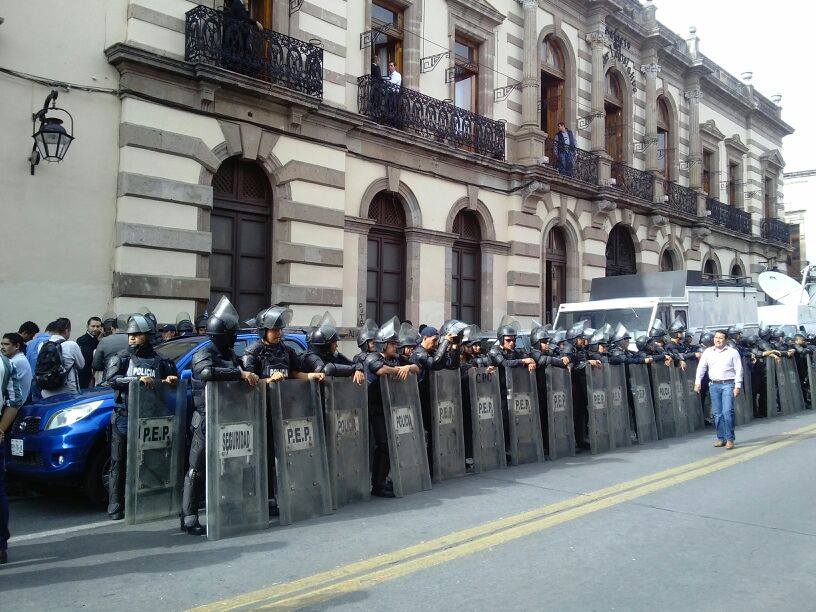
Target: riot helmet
[[274, 317], [507, 327], [139, 324], [109, 319], [388, 332], [620, 334], [471, 335], [658, 329], [576, 330], [367, 332], [560, 336], [678, 326], [454, 327], [588, 333], [407, 336], [222, 326], [733, 331], [707, 339], [325, 333], [597, 337], [752, 340], [538, 335], [642, 343], [184, 323]]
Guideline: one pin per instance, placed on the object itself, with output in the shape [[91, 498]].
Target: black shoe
[[196, 529], [3, 557], [383, 491], [273, 508], [117, 516]]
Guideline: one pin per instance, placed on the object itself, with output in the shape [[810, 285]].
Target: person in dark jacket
[[323, 356], [112, 344], [140, 363], [87, 344], [365, 341]]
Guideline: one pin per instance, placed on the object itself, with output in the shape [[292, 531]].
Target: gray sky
[[774, 40]]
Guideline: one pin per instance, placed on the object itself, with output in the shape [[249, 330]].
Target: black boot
[[3, 557], [196, 529]]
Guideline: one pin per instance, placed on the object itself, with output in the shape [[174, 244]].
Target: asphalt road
[[674, 525]]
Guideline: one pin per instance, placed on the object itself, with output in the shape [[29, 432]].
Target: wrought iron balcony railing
[[406, 109], [776, 231], [730, 217], [212, 37], [572, 161], [633, 182], [681, 199]]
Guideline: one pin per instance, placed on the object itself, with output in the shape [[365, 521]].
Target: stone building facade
[[265, 162]]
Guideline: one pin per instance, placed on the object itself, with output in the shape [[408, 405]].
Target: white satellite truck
[[638, 300], [795, 309]]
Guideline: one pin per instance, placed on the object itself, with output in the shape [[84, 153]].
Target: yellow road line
[[372, 571]]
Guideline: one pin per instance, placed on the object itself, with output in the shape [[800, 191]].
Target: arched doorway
[[665, 137], [466, 270], [667, 261], [385, 284], [614, 121], [555, 273], [620, 252], [241, 225], [553, 75]]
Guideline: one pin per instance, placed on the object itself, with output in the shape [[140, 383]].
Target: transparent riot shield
[[406, 435], [600, 428], [694, 404], [786, 405], [560, 425], [447, 428], [237, 496], [641, 390], [155, 452], [301, 467], [618, 404], [524, 418], [663, 398], [811, 368], [771, 407], [743, 404], [486, 420], [346, 416], [679, 401]]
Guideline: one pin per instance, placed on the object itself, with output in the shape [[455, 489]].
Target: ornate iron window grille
[[730, 217], [681, 199], [406, 109], [214, 38], [776, 231], [632, 181], [572, 161]]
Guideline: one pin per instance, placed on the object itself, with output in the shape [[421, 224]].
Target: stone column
[[531, 79], [650, 71], [598, 39], [695, 158], [410, 49]]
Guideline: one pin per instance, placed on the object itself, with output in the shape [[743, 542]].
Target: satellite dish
[[783, 288]]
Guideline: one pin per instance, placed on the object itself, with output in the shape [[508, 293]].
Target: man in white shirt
[[72, 359], [394, 77], [724, 367]]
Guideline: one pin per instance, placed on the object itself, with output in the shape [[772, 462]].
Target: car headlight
[[69, 416]]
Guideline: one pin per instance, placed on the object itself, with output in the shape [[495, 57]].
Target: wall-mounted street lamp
[[51, 140]]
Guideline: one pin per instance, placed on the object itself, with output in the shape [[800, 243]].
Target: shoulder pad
[[255, 348]]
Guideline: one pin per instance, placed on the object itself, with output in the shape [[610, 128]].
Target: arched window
[[385, 283], [667, 261], [241, 225], [614, 121], [620, 252], [665, 138], [710, 269], [736, 271], [466, 267], [553, 86], [555, 272]]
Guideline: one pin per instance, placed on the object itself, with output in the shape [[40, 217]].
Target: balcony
[[682, 200], [572, 162], [633, 182], [775, 230], [729, 217], [409, 110], [213, 38]]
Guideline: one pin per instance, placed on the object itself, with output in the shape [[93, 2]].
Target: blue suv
[[63, 440]]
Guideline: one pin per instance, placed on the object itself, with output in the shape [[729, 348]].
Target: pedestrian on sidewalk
[[10, 401], [724, 367]]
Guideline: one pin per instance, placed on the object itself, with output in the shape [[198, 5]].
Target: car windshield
[[634, 319], [177, 348]]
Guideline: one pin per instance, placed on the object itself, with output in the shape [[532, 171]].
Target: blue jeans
[[722, 409], [4, 505]]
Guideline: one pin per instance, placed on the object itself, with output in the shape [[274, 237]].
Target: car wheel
[[97, 477]]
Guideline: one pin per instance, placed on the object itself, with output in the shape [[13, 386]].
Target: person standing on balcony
[[394, 77], [565, 149]]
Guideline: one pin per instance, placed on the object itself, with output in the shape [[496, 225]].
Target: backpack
[[49, 372]]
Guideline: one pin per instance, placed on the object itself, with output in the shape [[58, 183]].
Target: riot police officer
[[214, 362], [184, 325], [577, 340], [323, 356], [385, 362], [143, 364], [471, 355], [407, 341], [365, 341]]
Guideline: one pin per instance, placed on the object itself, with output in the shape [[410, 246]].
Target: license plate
[[17, 447]]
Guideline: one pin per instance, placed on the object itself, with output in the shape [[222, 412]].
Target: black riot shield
[[794, 385], [679, 401], [771, 407], [155, 452], [487, 422], [600, 427], [406, 435], [346, 416], [743, 404], [618, 404], [301, 467], [237, 497], [811, 368], [524, 418], [447, 431], [641, 390], [663, 398], [560, 426], [786, 405], [694, 404]]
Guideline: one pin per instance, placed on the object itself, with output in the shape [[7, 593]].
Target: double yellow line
[[375, 570]]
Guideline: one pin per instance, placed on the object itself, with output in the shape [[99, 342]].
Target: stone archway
[[621, 257]]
